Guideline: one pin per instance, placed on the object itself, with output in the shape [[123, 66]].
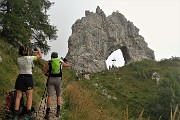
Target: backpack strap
[[49, 67]]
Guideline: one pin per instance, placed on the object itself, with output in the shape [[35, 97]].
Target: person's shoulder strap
[[49, 66]]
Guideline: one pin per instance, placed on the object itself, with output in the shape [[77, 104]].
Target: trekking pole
[[45, 101], [44, 96]]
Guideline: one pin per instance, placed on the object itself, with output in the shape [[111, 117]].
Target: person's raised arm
[[65, 64], [39, 55]]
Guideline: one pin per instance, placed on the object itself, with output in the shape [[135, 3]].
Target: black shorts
[[24, 82]]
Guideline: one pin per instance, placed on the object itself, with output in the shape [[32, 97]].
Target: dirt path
[[41, 112]]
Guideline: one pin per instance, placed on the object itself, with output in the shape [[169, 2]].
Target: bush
[[162, 100]]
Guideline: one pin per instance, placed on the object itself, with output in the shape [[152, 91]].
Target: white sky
[[158, 21]]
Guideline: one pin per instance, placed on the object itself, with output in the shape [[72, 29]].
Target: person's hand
[[38, 49], [39, 54]]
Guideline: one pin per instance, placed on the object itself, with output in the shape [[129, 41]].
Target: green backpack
[[55, 67]]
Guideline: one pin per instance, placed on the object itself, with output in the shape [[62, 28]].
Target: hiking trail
[[42, 110]]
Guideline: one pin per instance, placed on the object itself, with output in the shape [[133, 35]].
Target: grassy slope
[[107, 94], [9, 72], [104, 97]]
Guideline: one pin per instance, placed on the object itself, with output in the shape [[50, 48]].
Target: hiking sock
[[48, 110], [58, 113], [16, 112], [28, 115], [29, 112], [58, 107], [47, 113]]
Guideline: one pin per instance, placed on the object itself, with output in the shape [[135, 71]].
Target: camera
[[64, 59], [35, 52], [35, 49]]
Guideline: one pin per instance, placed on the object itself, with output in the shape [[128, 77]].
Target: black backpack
[[10, 102]]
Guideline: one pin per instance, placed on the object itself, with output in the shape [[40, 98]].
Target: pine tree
[[26, 22]]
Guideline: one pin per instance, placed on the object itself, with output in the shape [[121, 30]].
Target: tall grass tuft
[[141, 114], [126, 113], [176, 112], [83, 106]]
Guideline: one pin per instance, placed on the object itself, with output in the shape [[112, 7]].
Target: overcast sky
[[158, 21]]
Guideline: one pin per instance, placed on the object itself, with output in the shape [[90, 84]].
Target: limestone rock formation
[[95, 36]]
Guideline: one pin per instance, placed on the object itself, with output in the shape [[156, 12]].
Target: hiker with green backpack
[[53, 71]]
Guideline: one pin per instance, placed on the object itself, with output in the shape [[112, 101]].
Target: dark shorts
[[24, 82]]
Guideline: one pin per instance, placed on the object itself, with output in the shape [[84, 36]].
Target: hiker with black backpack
[[53, 69], [24, 81]]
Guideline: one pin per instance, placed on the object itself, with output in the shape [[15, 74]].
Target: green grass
[[113, 90], [117, 94]]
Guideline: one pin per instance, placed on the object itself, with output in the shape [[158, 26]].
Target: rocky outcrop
[[156, 77], [95, 36]]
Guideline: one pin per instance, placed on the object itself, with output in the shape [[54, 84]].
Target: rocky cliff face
[[95, 36]]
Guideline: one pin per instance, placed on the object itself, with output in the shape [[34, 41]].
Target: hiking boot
[[58, 113], [27, 117], [15, 118]]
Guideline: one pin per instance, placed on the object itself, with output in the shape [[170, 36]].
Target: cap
[[54, 55]]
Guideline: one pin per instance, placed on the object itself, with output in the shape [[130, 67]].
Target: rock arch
[[95, 36]]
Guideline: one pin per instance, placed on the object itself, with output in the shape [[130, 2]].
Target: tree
[[26, 22]]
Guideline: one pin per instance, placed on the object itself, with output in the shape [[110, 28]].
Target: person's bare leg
[[17, 104], [29, 94], [59, 100], [18, 98], [49, 101]]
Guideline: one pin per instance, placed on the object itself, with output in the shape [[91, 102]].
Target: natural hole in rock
[[116, 59]]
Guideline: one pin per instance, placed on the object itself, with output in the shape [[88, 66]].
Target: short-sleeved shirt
[[25, 64]]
